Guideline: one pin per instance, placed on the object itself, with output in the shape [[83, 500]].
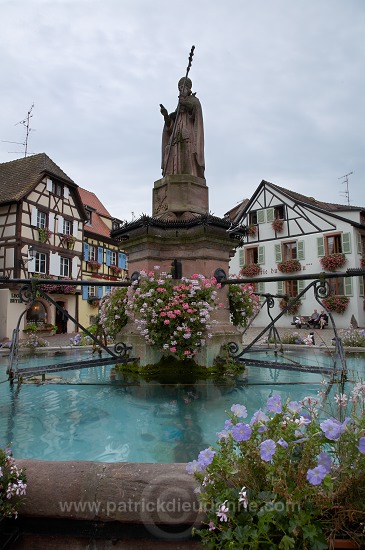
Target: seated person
[[323, 319], [314, 319], [299, 321]]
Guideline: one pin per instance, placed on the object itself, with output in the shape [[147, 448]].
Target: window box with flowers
[[252, 230], [278, 225], [94, 264], [336, 303], [44, 234], [289, 266], [293, 309], [116, 270], [250, 270], [68, 240], [333, 261], [93, 302]]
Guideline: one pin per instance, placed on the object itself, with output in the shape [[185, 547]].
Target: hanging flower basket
[[335, 303], [278, 225], [251, 230], [250, 270], [44, 234], [68, 240], [94, 302], [333, 261], [293, 310], [94, 264], [289, 266], [116, 270]]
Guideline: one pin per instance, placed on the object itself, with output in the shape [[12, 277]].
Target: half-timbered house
[[41, 235], [291, 233], [102, 258]]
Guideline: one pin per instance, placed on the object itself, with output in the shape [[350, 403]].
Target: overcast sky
[[281, 83]]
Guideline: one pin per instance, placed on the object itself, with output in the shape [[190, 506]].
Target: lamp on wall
[[31, 253]]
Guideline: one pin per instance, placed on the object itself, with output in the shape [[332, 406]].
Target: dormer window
[[57, 189]]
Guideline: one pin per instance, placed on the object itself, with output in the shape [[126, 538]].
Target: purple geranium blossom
[[239, 410], [267, 450], [241, 432], [317, 475], [325, 460], [274, 404], [361, 445], [206, 457]]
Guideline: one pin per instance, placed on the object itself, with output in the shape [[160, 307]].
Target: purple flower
[[227, 425], [282, 443], [361, 445], [325, 460], [294, 406], [239, 410], [317, 475], [193, 467], [274, 404], [241, 432], [267, 450], [259, 416], [332, 428], [206, 457], [222, 511]]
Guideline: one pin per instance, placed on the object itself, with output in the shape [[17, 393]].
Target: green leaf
[[286, 543]]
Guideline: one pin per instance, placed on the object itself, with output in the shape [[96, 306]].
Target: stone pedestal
[[179, 196]]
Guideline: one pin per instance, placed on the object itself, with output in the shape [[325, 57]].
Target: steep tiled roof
[[97, 226], [18, 177], [90, 199], [330, 207]]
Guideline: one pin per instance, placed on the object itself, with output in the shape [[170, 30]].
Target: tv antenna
[[346, 193], [26, 123]]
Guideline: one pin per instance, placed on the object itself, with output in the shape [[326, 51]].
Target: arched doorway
[[37, 313], [61, 319]]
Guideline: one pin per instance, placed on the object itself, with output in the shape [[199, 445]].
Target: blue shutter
[[100, 255], [122, 260], [86, 253], [100, 291], [108, 289], [85, 292], [107, 256]]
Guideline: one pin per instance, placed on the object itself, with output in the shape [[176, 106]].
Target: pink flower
[[166, 322], [173, 349]]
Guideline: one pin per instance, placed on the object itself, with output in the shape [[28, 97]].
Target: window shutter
[[270, 215], [85, 292], [86, 251], [66, 192], [51, 221], [320, 246], [121, 260], [280, 287], [31, 265], [300, 250], [261, 216], [54, 264], [108, 289], [107, 256], [301, 286], [60, 224], [348, 286], [49, 185], [278, 256], [261, 255], [100, 291], [241, 257], [346, 243], [75, 229], [361, 286], [100, 255], [75, 267], [261, 290], [358, 243], [33, 216]]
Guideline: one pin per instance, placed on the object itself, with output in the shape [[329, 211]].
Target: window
[[92, 252], [279, 212], [252, 255], [252, 218], [41, 219], [91, 291], [333, 244], [113, 258], [40, 265], [289, 251], [67, 227], [337, 286], [65, 267], [57, 189], [291, 288]]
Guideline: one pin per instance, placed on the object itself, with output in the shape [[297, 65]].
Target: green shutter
[[301, 286], [261, 216], [241, 257], [278, 256], [359, 243], [348, 286], [270, 215], [320, 246], [300, 250], [346, 243], [281, 287], [361, 286], [261, 255], [261, 290]]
